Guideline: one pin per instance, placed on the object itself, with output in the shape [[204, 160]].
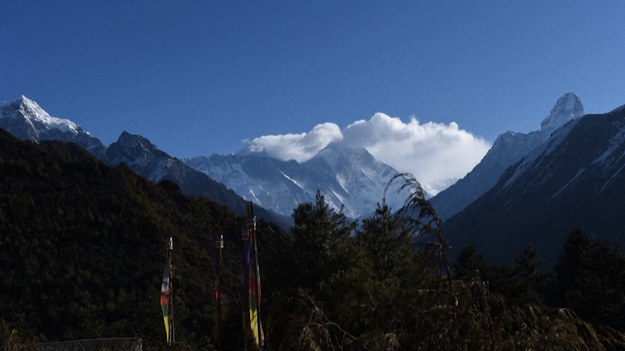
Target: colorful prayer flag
[[166, 302], [254, 279]]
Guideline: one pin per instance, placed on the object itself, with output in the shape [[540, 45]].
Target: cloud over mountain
[[433, 152], [298, 147]]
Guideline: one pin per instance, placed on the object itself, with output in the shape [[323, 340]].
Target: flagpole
[[218, 331], [170, 249], [245, 316], [257, 276]]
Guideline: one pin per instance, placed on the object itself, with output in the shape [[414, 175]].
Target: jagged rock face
[[25, 119], [139, 154], [508, 149]]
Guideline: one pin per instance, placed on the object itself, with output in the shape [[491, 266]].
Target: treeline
[[82, 254], [589, 278], [386, 288]]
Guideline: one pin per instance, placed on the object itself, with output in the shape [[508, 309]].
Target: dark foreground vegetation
[[82, 256]]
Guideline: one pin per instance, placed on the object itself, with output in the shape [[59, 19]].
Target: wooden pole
[[257, 275], [172, 330], [245, 316], [218, 327]]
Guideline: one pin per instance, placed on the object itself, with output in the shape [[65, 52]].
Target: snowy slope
[[354, 179], [575, 180], [508, 149], [349, 178], [25, 119], [266, 181]]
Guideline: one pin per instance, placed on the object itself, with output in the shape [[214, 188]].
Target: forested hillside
[[82, 249]]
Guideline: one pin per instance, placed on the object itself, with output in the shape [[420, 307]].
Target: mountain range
[[25, 119], [82, 251], [350, 178], [530, 188], [575, 180], [507, 150]]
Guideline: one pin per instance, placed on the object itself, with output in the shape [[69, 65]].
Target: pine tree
[[528, 278], [470, 264], [387, 242], [590, 279], [322, 245]]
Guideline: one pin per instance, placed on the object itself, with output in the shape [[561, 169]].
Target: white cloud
[[434, 153], [298, 147]]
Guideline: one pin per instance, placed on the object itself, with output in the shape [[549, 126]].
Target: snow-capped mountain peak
[[350, 178], [568, 107], [25, 119], [37, 116], [336, 153], [575, 180], [508, 149]]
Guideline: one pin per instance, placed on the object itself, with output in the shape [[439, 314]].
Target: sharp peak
[[342, 146], [568, 100], [129, 139], [20, 101], [31, 109], [567, 97], [568, 106], [504, 136], [23, 100], [125, 135]]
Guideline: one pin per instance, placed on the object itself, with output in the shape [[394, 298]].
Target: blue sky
[[197, 77]]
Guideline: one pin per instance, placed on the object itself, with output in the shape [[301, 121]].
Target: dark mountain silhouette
[[507, 150], [575, 180]]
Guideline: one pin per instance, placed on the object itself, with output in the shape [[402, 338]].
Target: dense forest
[[82, 251]]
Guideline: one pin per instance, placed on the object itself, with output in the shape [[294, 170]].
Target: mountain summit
[[568, 107], [25, 119], [575, 180], [507, 150], [350, 178], [39, 119], [139, 154]]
